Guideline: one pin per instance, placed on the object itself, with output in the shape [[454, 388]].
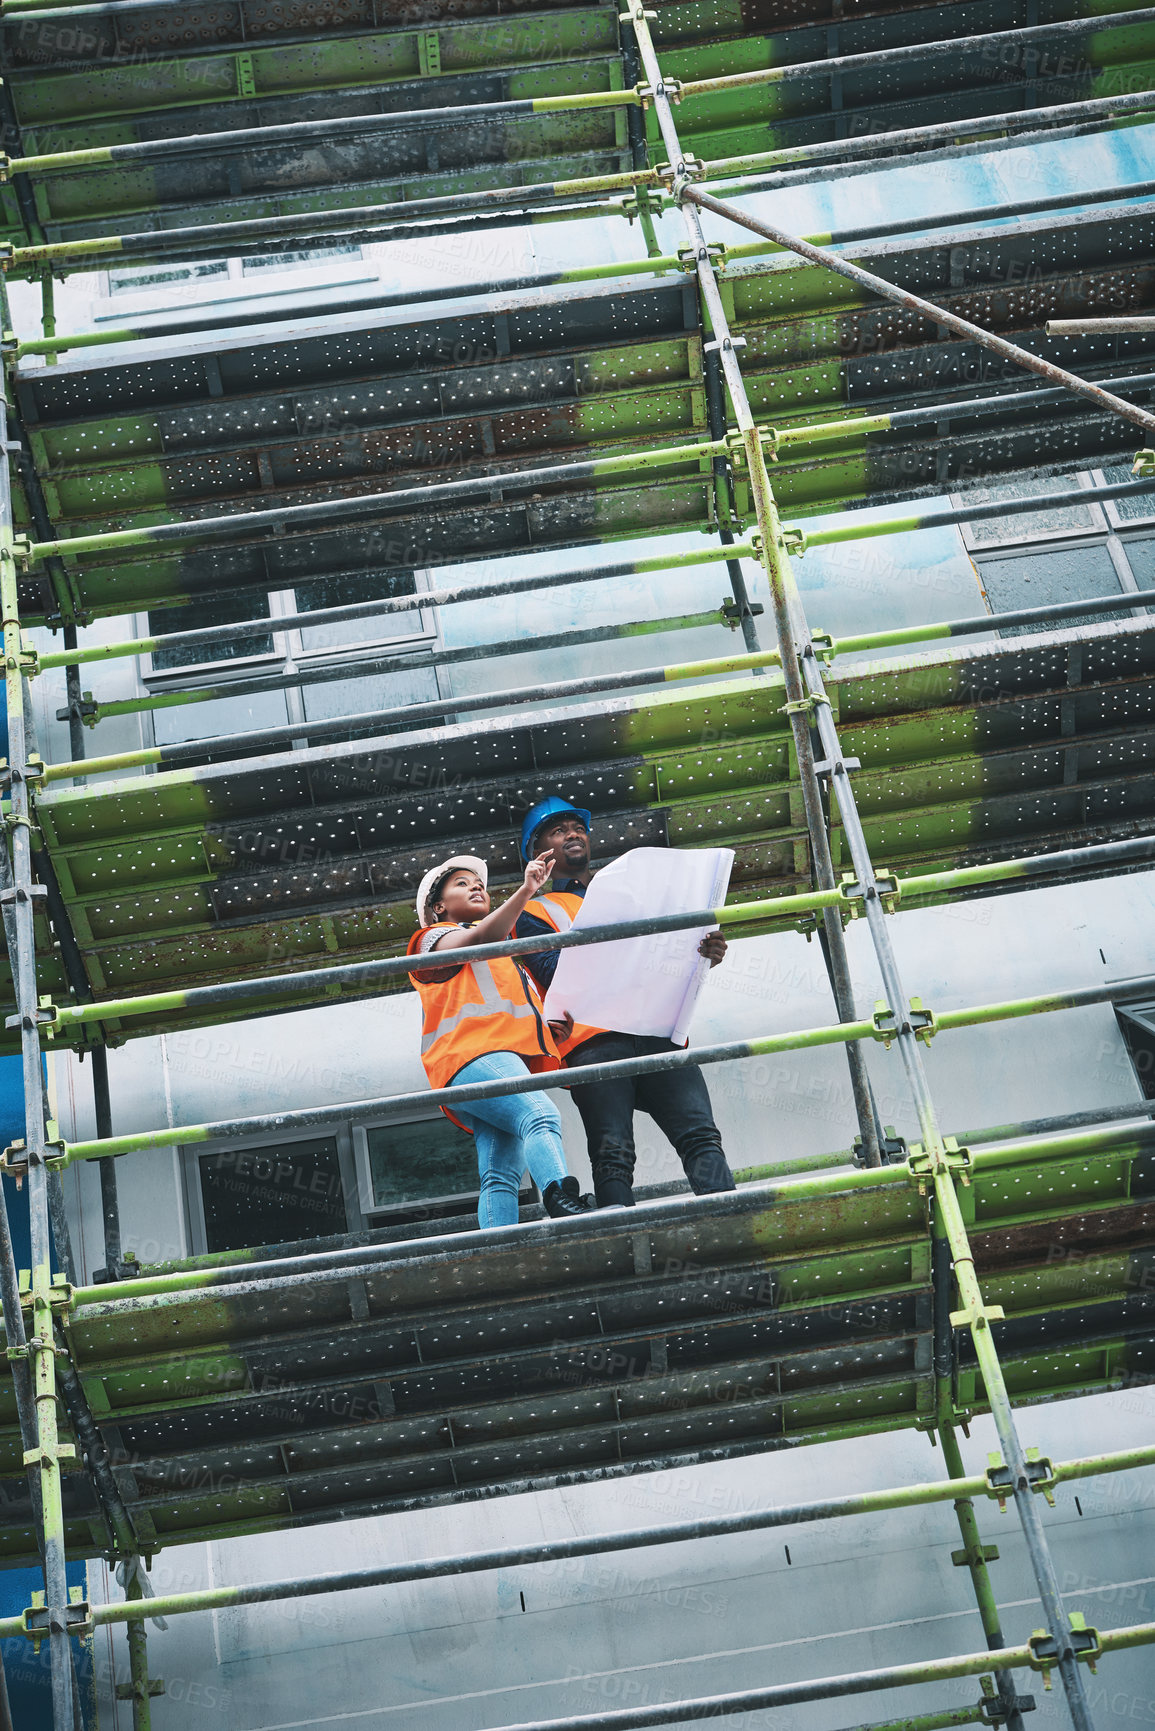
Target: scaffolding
[[602, 402]]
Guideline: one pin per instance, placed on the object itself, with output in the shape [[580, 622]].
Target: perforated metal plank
[[367, 403], [702, 1328], [507, 58]]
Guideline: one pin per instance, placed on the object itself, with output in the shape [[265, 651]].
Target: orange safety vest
[[481, 1007], [559, 909]]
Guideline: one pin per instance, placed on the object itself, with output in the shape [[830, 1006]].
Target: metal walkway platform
[[359, 403], [191, 71], [313, 1387], [235, 869]]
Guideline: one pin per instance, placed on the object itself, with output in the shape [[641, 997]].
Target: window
[[417, 1161], [242, 1195], [1065, 553], [256, 674], [246, 1195]]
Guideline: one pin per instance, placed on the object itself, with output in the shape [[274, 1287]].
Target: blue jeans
[[512, 1131]]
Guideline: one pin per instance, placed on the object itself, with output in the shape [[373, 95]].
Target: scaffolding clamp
[[995, 1708], [1085, 1643], [1144, 464], [32, 770], [38, 1625], [885, 887], [670, 88], [21, 893], [733, 615], [804, 705], [918, 1021], [926, 1164], [710, 252], [21, 544], [640, 203], [1040, 1477], [46, 1012], [26, 662]]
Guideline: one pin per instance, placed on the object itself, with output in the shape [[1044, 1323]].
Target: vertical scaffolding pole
[[975, 1556], [807, 700], [723, 347], [45, 1454]]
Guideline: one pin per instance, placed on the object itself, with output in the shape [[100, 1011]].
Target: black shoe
[[614, 1193], [565, 1198]]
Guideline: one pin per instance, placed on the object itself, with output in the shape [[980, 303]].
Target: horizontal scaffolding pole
[[1133, 1111], [370, 505], [436, 119], [348, 727], [877, 285], [307, 673], [507, 203], [658, 265], [1135, 851], [266, 625], [987, 131], [326, 513], [831, 1688], [244, 1278], [988, 48], [332, 130], [1069, 497], [884, 1026], [592, 1544], [1106, 327]]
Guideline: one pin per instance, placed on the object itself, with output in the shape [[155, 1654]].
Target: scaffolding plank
[[301, 411], [474, 1365]]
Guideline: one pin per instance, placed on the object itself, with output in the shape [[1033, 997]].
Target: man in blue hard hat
[[677, 1100]]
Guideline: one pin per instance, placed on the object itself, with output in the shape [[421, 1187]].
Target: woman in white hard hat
[[484, 1023]]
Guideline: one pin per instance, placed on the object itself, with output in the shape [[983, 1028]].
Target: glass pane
[[347, 591], [1129, 509], [272, 1195], [213, 611], [1031, 522], [122, 278], [1141, 558], [416, 1162], [1038, 579], [283, 260], [382, 691]]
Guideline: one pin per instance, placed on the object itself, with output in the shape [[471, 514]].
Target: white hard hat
[[467, 860]]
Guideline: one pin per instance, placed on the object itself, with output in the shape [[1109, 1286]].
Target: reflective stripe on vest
[[557, 913], [492, 1004]]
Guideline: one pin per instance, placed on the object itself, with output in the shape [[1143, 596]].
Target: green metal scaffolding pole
[[48, 1454], [927, 887], [503, 203], [924, 1495], [361, 125], [807, 697]]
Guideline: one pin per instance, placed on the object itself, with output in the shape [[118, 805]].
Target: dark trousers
[[676, 1100]]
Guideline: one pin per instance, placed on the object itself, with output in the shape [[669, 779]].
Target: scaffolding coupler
[[918, 1021], [996, 1708], [1040, 1476], [885, 888], [16, 1159], [86, 707], [733, 614], [1086, 1645], [924, 1165], [77, 1621]]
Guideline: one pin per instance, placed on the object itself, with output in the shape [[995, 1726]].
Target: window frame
[[288, 647], [190, 1155]]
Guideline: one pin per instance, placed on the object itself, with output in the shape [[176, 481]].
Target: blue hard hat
[[537, 814]]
